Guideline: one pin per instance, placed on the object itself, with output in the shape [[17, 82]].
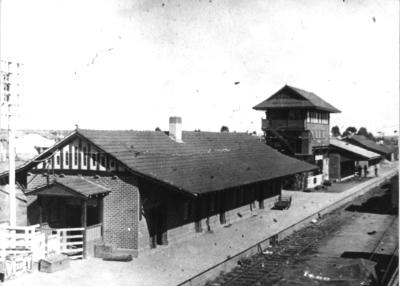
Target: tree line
[[351, 130]]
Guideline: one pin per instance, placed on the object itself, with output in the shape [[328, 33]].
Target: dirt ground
[[174, 263]]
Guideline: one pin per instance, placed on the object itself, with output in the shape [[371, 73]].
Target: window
[[103, 160], [112, 164], [94, 157], [58, 159], [84, 156], [66, 158], [76, 155], [186, 210]]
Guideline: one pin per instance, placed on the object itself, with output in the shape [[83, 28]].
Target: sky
[[130, 64]]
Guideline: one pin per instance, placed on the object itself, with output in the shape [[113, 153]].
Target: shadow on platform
[[380, 204]]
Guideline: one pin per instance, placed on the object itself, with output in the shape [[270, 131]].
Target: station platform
[[175, 263]]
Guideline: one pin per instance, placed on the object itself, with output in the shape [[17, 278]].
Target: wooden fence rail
[[72, 242]]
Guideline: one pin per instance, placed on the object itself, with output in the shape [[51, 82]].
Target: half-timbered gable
[[78, 154]]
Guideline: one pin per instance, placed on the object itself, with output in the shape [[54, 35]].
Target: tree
[[371, 136], [335, 131], [349, 131], [363, 131], [158, 129], [225, 129]]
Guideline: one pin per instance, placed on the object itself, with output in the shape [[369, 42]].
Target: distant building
[[27, 145], [362, 141], [140, 189], [344, 158], [297, 124]]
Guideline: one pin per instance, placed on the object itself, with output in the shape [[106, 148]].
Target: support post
[[84, 225], [39, 200], [101, 213], [11, 160]]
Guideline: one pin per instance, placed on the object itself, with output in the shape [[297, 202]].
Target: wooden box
[[103, 250], [54, 263]]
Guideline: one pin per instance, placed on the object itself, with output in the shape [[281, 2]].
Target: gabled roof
[[358, 151], [295, 98], [369, 144], [204, 162], [75, 185]]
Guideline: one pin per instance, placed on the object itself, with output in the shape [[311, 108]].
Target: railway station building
[[141, 189]]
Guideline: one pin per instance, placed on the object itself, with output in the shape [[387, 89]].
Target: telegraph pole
[[11, 94]]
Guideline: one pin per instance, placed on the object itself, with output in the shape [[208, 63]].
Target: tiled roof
[[369, 144], [304, 99], [76, 184], [353, 148], [205, 162], [153, 142]]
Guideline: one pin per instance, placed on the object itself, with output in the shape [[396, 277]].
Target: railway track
[[266, 267]]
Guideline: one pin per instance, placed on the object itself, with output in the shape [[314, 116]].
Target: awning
[[74, 187]]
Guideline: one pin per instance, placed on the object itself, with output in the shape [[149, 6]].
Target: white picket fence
[[21, 246]]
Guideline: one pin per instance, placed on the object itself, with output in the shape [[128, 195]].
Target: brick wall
[[180, 228], [121, 209], [187, 231]]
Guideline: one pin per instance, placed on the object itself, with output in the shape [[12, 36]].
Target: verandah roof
[[76, 186]]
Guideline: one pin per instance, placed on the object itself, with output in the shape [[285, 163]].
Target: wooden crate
[[54, 263], [102, 250], [15, 264]]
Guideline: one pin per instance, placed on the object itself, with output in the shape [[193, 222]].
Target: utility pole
[[11, 94]]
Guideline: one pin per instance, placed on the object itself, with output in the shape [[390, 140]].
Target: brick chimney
[[175, 128]]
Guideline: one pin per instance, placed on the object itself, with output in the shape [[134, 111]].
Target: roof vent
[[175, 128]]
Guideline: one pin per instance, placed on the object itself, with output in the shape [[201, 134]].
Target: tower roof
[[292, 97]]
